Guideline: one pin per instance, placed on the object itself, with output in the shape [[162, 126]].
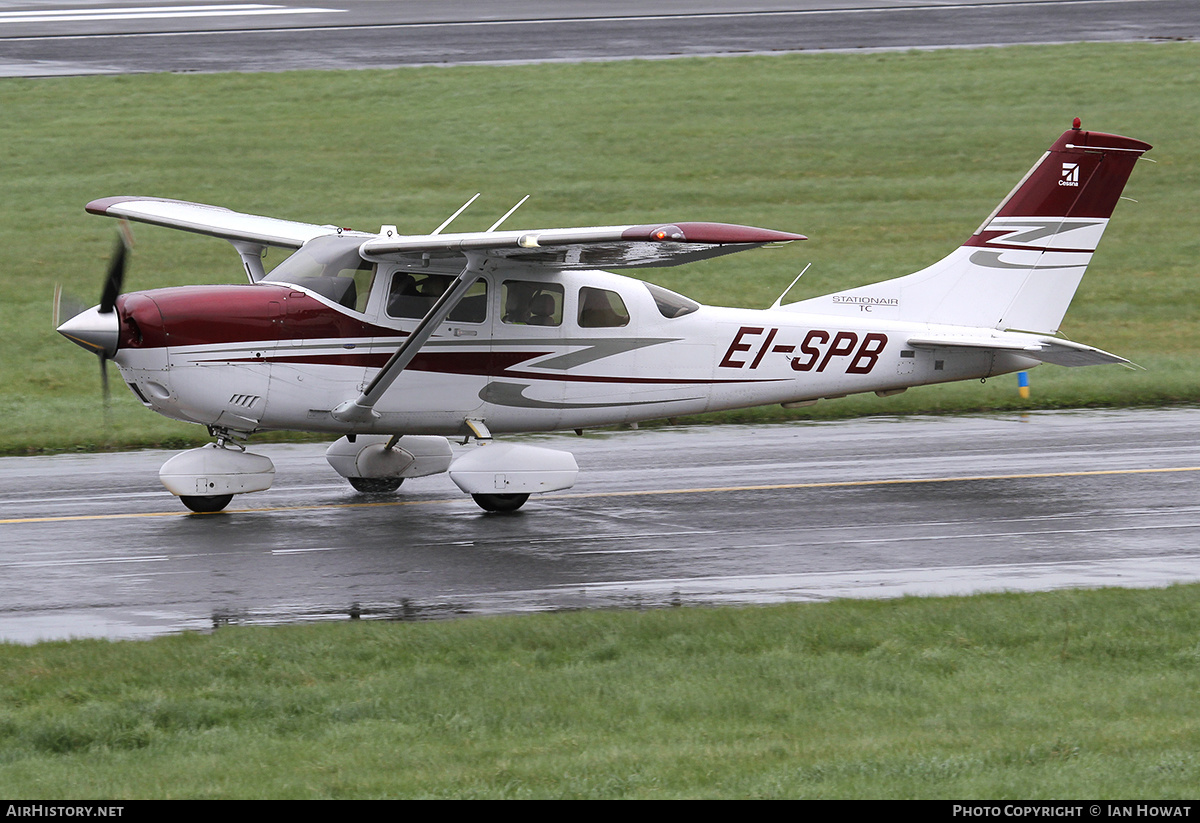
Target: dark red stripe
[[481, 364], [984, 240]]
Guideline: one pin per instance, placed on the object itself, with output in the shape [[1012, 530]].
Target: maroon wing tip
[[102, 205], [717, 233]]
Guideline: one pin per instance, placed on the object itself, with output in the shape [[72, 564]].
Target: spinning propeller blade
[[115, 277], [108, 299], [66, 306], [96, 329], [104, 380]]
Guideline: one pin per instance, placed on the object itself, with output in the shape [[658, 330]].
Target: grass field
[[887, 161], [1059, 695]]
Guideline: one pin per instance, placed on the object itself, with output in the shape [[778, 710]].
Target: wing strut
[[252, 258], [362, 409]]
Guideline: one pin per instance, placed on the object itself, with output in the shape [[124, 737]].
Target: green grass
[[1057, 695], [887, 161]]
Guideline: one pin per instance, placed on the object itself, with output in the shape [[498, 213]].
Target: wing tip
[[709, 233], [104, 205]]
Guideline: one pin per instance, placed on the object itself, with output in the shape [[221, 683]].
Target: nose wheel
[[207, 478]]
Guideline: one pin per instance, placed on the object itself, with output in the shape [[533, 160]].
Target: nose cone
[[94, 331]]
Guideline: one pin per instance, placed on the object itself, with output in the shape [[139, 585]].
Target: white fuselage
[[516, 376]]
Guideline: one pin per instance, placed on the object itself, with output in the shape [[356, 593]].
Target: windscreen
[[330, 266]]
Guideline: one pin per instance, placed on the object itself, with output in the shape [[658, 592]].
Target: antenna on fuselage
[[461, 209], [779, 300], [507, 214]]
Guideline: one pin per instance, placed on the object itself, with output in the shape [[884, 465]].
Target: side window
[[532, 304], [601, 309], [413, 295], [670, 304]]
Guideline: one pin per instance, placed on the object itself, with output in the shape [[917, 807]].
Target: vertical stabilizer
[[1020, 268]]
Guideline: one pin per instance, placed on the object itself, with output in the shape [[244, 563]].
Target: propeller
[[116, 276], [66, 306], [96, 329], [113, 280]]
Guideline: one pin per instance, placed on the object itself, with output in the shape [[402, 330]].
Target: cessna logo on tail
[[1070, 175]]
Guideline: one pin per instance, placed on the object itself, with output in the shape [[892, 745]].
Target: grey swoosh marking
[[513, 395], [598, 350], [595, 348], [991, 260]]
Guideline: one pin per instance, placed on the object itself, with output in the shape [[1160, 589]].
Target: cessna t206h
[[399, 342]]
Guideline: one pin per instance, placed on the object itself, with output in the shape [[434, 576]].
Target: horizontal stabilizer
[[603, 247], [1046, 349], [213, 221]]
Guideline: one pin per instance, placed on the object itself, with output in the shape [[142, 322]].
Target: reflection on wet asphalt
[[92, 545]]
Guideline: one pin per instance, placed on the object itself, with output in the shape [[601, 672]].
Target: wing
[[602, 247], [214, 221]]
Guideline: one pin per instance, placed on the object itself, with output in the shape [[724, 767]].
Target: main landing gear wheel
[[375, 485], [500, 502], [206, 503]]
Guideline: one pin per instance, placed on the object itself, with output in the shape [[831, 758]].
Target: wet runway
[[126, 36], [92, 545]]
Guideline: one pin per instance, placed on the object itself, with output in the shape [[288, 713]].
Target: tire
[[375, 485], [500, 502], [206, 504]]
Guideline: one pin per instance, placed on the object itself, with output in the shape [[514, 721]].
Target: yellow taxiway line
[[831, 484]]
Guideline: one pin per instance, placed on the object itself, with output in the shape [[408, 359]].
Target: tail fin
[[1020, 268]]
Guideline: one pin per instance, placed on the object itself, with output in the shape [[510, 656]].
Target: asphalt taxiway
[[126, 36], [93, 546]]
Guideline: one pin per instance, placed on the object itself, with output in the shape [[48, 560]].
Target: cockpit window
[[670, 304], [332, 267], [601, 309], [413, 295]]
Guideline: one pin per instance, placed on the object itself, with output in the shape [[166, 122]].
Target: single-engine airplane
[[398, 342]]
